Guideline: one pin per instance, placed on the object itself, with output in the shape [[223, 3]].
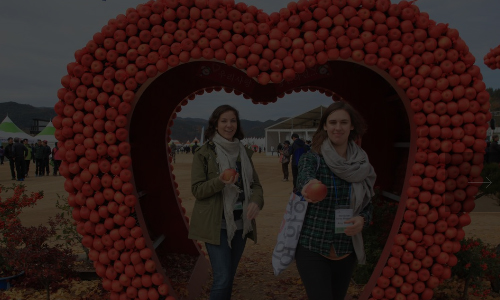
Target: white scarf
[[227, 154], [357, 170]]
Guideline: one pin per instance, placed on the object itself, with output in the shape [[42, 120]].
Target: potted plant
[[37, 251]]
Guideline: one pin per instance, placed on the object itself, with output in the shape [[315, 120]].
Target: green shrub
[[477, 261]]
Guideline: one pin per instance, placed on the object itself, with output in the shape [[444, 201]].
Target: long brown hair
[[214, 119], [356, 121]]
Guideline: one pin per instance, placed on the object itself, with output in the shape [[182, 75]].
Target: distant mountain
[[184, 129], [23, 114], [257, 128]]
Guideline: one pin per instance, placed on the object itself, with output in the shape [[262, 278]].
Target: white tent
[[48, 134], [304, 125], [9, 129], [261, 142]]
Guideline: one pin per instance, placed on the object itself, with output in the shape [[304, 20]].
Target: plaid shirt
[[318, 230]]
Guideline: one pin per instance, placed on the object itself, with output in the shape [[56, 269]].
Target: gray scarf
[[357, 170], [227, 154]]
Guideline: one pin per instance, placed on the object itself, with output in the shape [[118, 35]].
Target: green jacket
[[206, 187], [29, 152]]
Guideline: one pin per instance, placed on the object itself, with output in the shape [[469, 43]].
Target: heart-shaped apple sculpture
[[492, 59], [414, 81]]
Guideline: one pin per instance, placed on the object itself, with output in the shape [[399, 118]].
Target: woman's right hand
[[232, 180], [304, 194]]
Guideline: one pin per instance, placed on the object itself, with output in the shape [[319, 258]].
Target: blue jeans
[[224, 261]]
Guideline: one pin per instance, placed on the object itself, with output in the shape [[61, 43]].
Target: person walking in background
[[296, 150], [2, 154], [327, 252], [285, 159], [9, 154], [494, 150], [56, 158], [173, 150], [46, 158], [20, 153], [225, 208], [38, 156], [27, 160], [195, 146]]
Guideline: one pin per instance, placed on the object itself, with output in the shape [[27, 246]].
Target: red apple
[[228, 174], [316, 191]]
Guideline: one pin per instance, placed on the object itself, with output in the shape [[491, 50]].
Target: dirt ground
[[255, 278]]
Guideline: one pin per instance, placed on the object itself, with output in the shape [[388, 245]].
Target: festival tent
[[195, 140], [9, 129], [48, 134], [304, 125]]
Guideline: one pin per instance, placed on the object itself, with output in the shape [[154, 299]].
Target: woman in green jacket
[[225, 209]]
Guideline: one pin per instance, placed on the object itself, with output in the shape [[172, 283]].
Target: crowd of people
[[229, 197], [186, 149], [19, 154], [174, 149]]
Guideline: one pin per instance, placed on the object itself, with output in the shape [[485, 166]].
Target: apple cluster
[[492, 59], [427, 61]]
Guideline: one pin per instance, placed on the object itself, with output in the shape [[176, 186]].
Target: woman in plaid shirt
[[326, 255]]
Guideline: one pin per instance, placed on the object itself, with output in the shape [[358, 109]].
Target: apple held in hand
[[228, 173], [316, 191]]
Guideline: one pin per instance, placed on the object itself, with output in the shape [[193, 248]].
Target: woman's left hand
[[252, 211], [356, 227]]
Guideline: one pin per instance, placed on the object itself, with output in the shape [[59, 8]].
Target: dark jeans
[[57, 163], [46, 166], [323, 278], [1, 159], [39, 166], [26, 166], [295, 172], [12, 165], [21, 171], [224, 261], [284, 167]]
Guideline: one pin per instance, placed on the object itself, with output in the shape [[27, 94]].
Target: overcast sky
[[39, 37]]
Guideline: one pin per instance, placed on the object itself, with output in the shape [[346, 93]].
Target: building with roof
[[304, 124]]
